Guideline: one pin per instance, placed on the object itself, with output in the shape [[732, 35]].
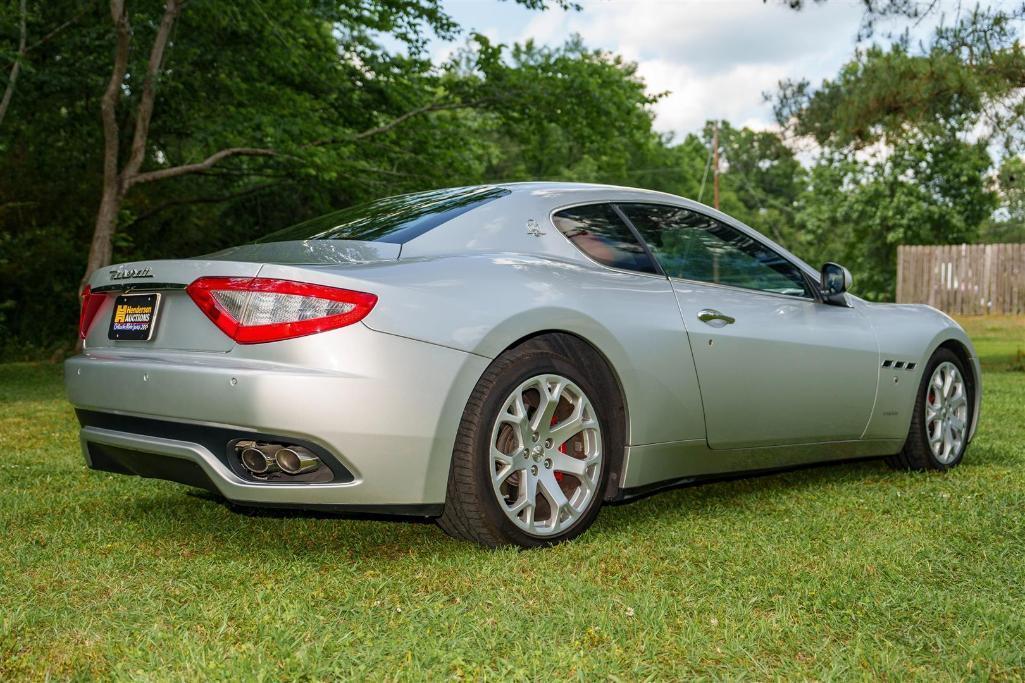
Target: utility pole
[[715, 166]]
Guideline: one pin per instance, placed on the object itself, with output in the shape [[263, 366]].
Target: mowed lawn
[[845, 571]]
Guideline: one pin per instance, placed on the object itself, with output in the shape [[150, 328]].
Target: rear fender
[[484, 303]]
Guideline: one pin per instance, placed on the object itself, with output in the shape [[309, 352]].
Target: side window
[[598, 231], [695, 247]]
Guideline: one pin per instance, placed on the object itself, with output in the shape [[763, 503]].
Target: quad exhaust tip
[[296, 460], [260, 459], [265, 458]]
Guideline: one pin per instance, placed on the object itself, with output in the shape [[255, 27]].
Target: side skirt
[[639, 492], [653, 466]]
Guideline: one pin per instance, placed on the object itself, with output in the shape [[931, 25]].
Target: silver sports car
[[505, 359]]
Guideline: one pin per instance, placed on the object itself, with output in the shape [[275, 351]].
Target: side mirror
[[835, 282]]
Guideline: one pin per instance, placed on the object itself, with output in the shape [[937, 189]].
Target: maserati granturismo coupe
[[505, 359]]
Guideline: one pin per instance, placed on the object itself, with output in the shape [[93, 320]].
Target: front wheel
[[529, 466], [942, 417]]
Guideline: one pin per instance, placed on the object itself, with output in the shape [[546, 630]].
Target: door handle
[[715, 318]]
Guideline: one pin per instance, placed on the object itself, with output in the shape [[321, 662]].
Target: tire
[[921, 450], [482, 494]]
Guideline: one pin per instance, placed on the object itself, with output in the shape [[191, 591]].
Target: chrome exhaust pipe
[[260, 459], [296, 460]]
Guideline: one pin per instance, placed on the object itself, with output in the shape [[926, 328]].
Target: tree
[[12, 79], [349, 25], [922, 191], [557, 113], [1008, 223], [903, 136], [19, 56], [285, 77], [911, 12], [972, 70], [761, 180], [119, 178]]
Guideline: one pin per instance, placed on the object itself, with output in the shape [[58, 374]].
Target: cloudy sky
[[716, 57]]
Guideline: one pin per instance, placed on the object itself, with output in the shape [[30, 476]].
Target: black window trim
[[816, 294], [659, 273], [640, 238]]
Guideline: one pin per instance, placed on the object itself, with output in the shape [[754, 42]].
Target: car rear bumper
[[385, 408]]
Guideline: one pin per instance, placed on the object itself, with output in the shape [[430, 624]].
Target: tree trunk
[[100, 251], [113, 192], [101, 248], [12, 79], [118, 181]]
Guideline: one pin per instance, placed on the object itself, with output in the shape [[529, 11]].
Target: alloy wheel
[[946, 412], [546, 455]]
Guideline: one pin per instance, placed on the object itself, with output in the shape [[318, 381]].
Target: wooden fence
[[963, 279]]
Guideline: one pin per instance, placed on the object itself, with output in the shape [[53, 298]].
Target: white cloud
[[715, 57], [694, 97]]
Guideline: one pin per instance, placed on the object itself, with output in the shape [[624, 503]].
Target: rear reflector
[[90, 307], [259, 310]]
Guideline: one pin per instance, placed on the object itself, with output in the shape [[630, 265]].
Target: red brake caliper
[[562, 449]]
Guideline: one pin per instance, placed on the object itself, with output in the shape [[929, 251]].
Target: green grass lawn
[[845, 571]]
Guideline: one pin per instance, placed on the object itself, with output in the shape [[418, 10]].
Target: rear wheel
[[529, 466], [942, 416]]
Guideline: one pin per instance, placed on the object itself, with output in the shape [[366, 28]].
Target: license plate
[[134, 318]]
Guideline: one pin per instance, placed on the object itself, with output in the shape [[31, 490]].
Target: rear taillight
[[258, 310], [90, 307]]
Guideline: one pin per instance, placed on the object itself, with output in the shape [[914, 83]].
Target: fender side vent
[[899, 364]]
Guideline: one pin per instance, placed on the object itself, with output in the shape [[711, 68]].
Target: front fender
[[911, 334]]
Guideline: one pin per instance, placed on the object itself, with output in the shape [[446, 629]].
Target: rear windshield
[[392, 219]]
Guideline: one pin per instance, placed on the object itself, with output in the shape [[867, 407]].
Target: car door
[[775, 365]]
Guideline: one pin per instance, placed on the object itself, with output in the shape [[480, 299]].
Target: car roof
[[537, 199], [559, 188]]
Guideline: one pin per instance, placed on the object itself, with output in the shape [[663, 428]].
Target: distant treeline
[[133, 130]]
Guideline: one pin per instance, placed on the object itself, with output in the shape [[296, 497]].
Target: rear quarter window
[[598, 231]]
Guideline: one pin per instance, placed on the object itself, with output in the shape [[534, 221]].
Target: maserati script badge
[[123, 273]]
